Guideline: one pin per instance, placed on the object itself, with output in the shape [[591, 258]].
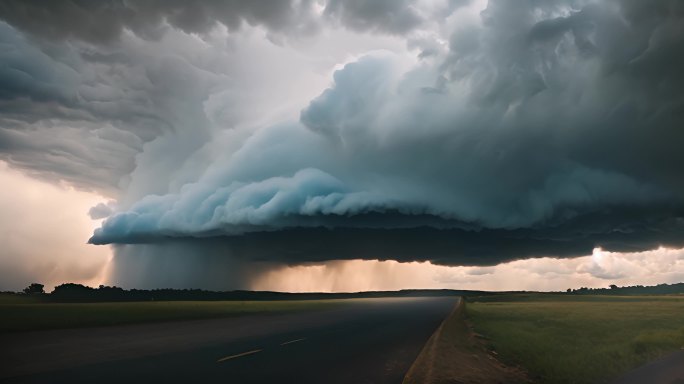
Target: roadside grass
[[579, 339], [26, 315]]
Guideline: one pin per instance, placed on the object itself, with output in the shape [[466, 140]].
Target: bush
[[34, 289]]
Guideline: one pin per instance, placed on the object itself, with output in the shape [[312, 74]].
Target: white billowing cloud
[[42, 229]]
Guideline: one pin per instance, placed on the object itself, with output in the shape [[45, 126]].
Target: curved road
[[362, 341]]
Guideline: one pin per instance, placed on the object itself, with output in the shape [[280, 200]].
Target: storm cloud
[[543, 139], [536, 128], [104, 21]]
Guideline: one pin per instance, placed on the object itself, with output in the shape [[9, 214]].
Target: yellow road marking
[[238, 355], [293, 341]]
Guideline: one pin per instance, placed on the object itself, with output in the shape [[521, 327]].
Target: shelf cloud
[[518, 142], [460, 133]]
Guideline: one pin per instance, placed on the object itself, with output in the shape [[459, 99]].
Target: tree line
[[70, 292], [660, 289]]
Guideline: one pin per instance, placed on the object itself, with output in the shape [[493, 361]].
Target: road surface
[[666, 370], [364, 341]]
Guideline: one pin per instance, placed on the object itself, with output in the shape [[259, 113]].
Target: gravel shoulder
[[455, 354]]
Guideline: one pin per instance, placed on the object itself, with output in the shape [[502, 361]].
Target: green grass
[[24, 315], [579, 339]]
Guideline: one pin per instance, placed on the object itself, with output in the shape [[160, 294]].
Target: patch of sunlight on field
[[574, 339]]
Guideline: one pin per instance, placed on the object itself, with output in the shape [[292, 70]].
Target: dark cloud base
[[629, 232]]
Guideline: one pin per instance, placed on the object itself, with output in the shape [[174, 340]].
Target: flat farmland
[[579, 339]]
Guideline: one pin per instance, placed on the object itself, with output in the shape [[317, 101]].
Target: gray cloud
[[75, 113], [380, 15], [397, 17], [104, 21], [102, 210], [530, 144]]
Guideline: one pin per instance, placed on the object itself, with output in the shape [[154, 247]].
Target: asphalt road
[[666, 370], [364, 341]]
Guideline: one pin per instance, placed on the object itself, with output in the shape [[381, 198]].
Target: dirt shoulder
[[454, 354]]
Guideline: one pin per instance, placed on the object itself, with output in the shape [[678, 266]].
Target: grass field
[[19, 314], [579, 339]]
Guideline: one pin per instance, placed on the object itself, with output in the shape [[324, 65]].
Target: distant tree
[[613, 286], [34, 288], [72, 292], [569, 290]]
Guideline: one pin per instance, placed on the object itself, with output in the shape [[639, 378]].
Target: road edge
[[454, 354]]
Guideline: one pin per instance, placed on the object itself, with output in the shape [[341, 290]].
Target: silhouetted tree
[[72, 292], [613, 286], [34, 289]]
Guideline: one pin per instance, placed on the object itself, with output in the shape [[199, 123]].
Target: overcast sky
[[277, 145]]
